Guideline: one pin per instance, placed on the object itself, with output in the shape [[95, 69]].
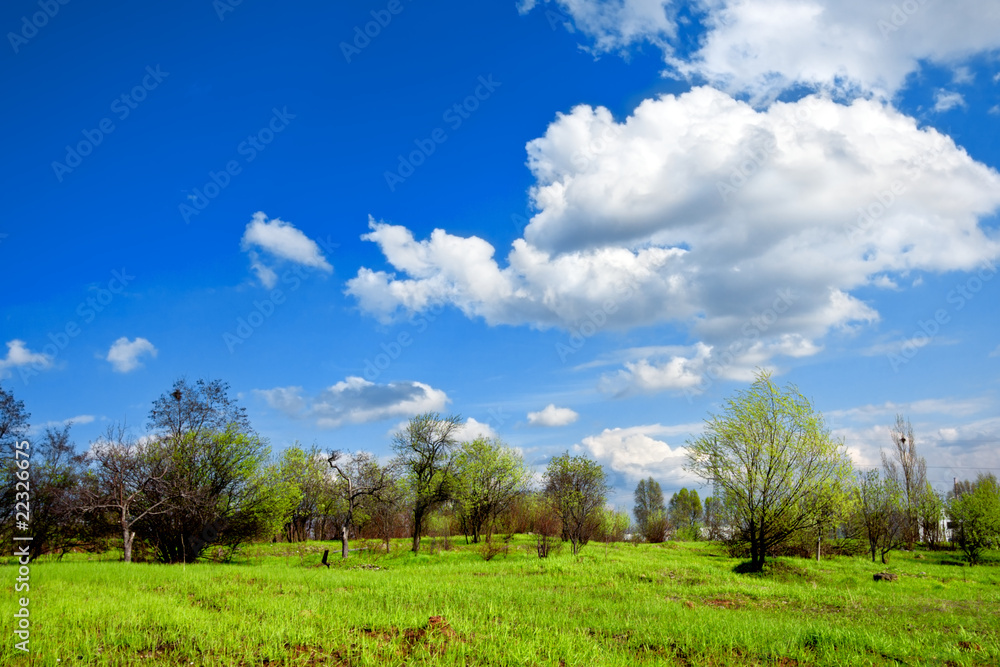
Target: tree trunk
[[343, 541], [418, 520], [127, 536]]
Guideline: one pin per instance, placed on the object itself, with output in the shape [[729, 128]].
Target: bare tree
[[360, 477], [424, 452], [124, 469], [909, 471]]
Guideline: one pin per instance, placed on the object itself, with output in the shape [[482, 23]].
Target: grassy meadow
[[618, 604]]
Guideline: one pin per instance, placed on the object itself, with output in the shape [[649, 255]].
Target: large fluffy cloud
[[765, 46], [355, 401], [750, 228]]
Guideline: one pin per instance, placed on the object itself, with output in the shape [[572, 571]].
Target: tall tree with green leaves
[[309, 472], [771, 454], [975, 510], [219, 482], [576, 488], [879, 503], [649, 507], [489, 477], [685, 513], [425, 454]]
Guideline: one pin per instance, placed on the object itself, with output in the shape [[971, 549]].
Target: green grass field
[[671, 604]]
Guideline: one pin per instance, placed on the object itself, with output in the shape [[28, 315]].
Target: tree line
[[201, 477]]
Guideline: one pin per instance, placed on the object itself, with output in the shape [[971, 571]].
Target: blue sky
[[579, 224]]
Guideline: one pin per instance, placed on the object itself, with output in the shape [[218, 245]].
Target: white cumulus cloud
[[550, 415], [125, 355], [18, 354], [744, 226], [765, 46], [641, 451], [282, 241]]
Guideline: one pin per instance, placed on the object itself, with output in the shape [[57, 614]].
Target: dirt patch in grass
[[435, 636], [723, 603]]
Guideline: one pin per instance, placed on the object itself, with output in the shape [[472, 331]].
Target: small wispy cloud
[[946, 100], [282, 242]]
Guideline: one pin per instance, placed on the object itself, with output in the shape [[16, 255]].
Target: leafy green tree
[[931, 511], [576, 486], [685, 513], [975, 511], [880, 508], [649, 505], [219, 481], [424, 451], [771, 455], [489, 477], [308, 471]]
